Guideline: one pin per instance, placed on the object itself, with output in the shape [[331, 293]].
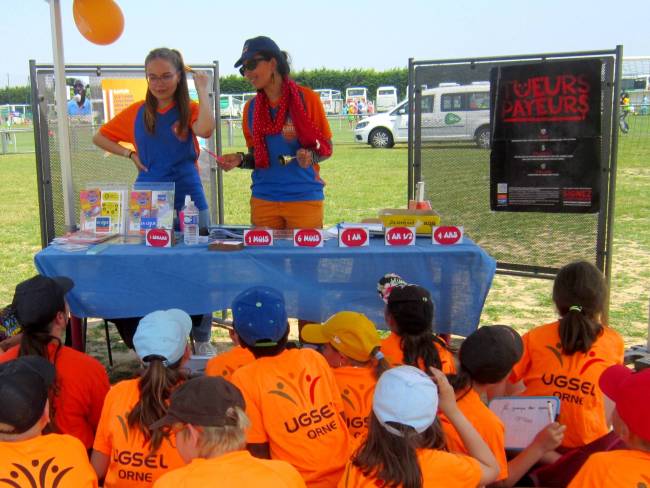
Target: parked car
[[449, 113]]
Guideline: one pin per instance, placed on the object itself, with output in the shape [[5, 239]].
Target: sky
[[335, 34]]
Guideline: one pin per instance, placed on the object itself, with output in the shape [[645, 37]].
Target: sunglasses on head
[[250, 64]]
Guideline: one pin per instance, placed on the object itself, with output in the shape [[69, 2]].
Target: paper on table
[[373, 228], [523, 417]]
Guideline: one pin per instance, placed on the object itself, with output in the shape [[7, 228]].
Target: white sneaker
[[204, 349]]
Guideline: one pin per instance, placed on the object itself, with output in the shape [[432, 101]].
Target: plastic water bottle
[[190, 222]]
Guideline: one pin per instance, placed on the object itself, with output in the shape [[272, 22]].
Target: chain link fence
[[453, 160]]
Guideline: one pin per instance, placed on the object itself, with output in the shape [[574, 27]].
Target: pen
[[549, 405]]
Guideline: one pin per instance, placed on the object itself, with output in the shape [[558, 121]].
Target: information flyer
[[546, 146]]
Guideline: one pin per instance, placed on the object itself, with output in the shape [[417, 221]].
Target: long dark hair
[[580, 295], [156, 385], [411, 307], [393, 458], [35, 341], [181, 95], [282, 61]]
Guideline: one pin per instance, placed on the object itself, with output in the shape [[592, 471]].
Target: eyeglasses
[[166, 78], [250, 64]]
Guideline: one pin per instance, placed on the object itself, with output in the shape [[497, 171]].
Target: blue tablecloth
[[125, 280]]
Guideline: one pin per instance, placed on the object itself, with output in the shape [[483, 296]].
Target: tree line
[[316, 78]]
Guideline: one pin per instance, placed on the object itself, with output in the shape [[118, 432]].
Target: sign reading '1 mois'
[[546, 142]]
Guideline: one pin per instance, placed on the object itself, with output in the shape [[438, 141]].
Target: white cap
[[405, 395], [163, 333], [188, 200]]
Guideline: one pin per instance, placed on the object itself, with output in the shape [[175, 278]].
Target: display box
[[422, 220]]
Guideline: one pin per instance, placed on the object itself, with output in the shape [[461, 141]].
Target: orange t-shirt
[[235, 469], [130, 464], [121, 128], [295, 406], [313, 107], [486, 423], [227, 363], [545, 370], [392, 349], [356, 386], [439, 469], [52, 460], [82, 384], [614, 468]]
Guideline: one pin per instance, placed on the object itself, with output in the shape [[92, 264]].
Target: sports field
[[361, 181]]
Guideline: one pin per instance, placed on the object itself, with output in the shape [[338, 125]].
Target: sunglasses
[[250, 65]]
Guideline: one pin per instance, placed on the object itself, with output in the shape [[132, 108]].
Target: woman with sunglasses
[[163, 129], [287, 135]]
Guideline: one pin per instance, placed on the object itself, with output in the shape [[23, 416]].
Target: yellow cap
[[350, 333]]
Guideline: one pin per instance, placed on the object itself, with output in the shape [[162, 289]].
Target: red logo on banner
[[399, 236], [157, 238], [447, 235], [258, 237], [354, 237], [308, 238]]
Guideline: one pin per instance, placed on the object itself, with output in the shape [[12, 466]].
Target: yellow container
[[422, 220]]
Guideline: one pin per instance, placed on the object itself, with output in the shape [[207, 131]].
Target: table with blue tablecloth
[[129, 280]]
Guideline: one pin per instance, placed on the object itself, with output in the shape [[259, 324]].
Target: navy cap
[[259, 316], [255, 45]]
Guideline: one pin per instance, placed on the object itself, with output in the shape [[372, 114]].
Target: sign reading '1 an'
[[546, 136]]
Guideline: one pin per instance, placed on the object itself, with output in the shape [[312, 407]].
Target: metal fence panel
[[89, 163], [456, 172]]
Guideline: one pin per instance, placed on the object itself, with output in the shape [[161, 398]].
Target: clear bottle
[[190, 222]]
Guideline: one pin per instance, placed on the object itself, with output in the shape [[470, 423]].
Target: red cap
[[631, 393]]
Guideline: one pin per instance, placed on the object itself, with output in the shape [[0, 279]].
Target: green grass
[[360, 181]]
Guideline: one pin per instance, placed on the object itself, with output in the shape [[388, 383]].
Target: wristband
[[130, 154]]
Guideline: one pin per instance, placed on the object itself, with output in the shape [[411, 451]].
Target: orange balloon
[[99, 21]]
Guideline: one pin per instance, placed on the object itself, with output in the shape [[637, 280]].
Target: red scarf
[[291, 103]]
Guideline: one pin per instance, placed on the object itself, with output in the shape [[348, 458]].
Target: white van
[[231, 106], [331, 100], [449, 113], [386, 98]]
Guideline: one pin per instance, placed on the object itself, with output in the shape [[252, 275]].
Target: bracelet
[[130, 154]]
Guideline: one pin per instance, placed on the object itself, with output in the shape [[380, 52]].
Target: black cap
[[38, 299], [415, 308], [205, 401], [490, 353], [24, 384], [255, 45]]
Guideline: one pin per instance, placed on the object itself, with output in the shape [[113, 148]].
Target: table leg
[[76, 332]]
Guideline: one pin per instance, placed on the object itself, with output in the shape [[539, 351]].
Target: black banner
[[546, 143]]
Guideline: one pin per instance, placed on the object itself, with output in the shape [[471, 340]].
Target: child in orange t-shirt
[[405, 444], [292, 398], [54, 460], [351, 348], [81, 383], [207, 414], [629, 467], [565, 358], [127, 452], [225, 364], [486, 359], [409, 315]]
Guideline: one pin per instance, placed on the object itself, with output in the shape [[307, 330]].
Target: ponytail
[[419, 350], [156, 385], [393, 458], [578, 332], [580, 295], [382, 363]]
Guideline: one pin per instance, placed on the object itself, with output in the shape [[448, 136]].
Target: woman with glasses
[[287, 135], [163, 129]]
